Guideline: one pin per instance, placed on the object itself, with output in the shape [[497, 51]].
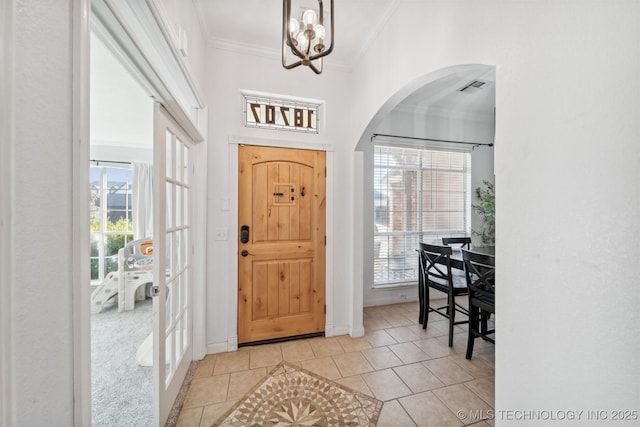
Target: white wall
[[42, 253], [438, 124], [567, 184], [229, 73], [6, 197], [47, 144], [121, 110], [121, 153], [482, 169], [566, 144], [182, 14]]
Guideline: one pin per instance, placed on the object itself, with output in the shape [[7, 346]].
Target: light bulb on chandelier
[[305, 38]]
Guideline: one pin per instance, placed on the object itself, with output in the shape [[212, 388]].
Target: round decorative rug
[[292, 396]]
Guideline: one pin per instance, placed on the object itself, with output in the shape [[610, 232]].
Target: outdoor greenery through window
[[111, 220], [419, 196]]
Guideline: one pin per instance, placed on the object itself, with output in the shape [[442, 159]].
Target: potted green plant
[[486, 208]]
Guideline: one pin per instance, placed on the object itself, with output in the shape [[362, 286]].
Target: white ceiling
[[256, 26], [445, 95], [121, 112]]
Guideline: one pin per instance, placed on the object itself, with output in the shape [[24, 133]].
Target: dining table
[[456, 255], [456, 262]]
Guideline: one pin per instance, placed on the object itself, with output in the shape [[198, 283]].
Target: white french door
[[172, 304]]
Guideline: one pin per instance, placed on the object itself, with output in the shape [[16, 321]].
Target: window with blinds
[[419, 196]]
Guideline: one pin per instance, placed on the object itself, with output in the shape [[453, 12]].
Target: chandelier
[[305, 38]]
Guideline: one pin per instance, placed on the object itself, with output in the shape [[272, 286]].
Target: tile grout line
[[397, 312]]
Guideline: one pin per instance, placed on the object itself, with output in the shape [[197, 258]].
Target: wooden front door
[[281, 243]]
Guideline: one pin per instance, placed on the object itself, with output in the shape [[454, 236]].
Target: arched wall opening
[[452, 108]]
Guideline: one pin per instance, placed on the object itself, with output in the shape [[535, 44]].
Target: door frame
[[145, 64], [81, 294], [7, 351], [235, 141]]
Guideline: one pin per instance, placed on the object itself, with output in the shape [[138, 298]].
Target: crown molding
[[330, 62], [375, 30], [267, 52], [201, 19]]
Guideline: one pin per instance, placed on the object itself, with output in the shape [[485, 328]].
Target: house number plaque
[[280, 114]]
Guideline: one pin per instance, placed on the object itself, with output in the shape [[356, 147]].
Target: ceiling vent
[[472, 86]]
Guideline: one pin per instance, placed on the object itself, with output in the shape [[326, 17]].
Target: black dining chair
[[436, 272], [463, 242], [457, 243], [480, 275]]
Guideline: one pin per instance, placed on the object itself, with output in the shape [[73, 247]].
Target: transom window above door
[[277, 112]]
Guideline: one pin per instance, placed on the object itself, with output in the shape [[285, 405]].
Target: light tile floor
[[421, 380]]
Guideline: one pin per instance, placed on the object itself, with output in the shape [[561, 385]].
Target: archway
[[450, 108]]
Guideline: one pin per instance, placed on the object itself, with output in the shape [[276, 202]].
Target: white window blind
[[419, 196]]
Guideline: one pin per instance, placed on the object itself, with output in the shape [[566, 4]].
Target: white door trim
[[80, 171], [232, 302], [199, 241], [143, 44], [7, 330]]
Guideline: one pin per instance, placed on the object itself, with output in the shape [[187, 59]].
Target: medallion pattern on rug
[[292, 396]]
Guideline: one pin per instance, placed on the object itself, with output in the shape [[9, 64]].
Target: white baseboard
[[357, 332], [232, 343], [329, 330], [223, 347], [340, 330], [388, 299]]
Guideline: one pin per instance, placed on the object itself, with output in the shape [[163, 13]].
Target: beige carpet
[[290, 395]]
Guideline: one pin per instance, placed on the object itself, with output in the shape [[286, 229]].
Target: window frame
[[405, 268], [101, 236]]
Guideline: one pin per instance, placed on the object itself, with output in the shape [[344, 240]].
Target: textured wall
[[566, 175], [6, 235], [567, 184], [229, 73], [181, 13], [43, 212]]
